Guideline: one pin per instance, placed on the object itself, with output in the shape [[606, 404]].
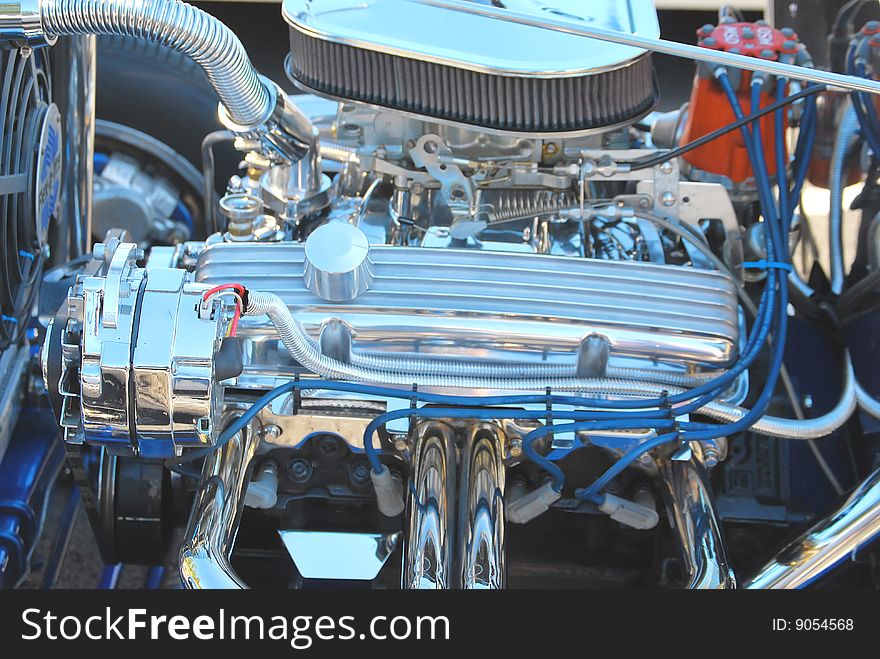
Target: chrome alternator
[[138, 370]]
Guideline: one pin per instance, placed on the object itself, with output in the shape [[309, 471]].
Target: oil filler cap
[[337, 264]]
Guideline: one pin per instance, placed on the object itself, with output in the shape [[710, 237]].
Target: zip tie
[[9, 319], [764, 265], [26, 255], [549, 408]]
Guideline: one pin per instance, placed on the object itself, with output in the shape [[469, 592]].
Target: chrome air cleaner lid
[[476, 70]]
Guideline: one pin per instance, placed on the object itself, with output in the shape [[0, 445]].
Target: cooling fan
[[30, 182]]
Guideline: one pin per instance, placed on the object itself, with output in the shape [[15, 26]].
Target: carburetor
[[140, 364]]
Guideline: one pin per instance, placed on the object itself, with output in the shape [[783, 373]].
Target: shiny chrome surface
[[179, 26], [204, 555], [459, 303], [348, 556], [826, 544], [475, 42], [692, 514], [337, 262], [21, 25], [74, 93], [124, 372], [429, 531], [648, 42], [481, 534]]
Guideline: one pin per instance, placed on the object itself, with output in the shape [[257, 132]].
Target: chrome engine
[[444, 216]]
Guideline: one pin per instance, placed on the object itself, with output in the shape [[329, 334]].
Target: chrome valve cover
[[522, 308]]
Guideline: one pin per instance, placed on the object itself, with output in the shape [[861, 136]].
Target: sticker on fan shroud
[[49, 161]]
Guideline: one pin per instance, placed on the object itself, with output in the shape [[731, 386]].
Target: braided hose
[[816, 428], [302, 348], [847, 135], [528, 371], [456, 368], [179, 26], [867, 402]]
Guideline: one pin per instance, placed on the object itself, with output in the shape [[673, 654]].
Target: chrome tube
[[847, 136], [213, 524], [692, 514], [827, 543], [179, 26], [428, 544], [74, 94], [688, 51], [481, 548], [867, 402]]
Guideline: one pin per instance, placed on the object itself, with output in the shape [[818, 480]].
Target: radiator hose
[[179, 26]]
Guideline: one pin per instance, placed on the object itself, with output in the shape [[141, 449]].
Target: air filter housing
[[468, 69]]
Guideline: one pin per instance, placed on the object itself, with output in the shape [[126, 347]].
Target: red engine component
[[710, 110]]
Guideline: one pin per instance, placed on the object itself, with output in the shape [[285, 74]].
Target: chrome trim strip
[[827, 543], [687, 51]]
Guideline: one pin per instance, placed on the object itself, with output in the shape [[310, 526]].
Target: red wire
[[233, 325], [239, 288]]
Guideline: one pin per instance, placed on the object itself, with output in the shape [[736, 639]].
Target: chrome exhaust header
[[428, 545], [213, 524], [481, 532], [826, 544], [691, 511], [455, 512]]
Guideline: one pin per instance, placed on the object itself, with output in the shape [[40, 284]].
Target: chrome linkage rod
[[846, 82]]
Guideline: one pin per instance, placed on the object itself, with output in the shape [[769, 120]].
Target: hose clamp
[[21, 25]]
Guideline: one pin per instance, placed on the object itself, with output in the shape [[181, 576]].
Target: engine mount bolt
[[666, 167], [300, 470], [359, 473], [668, 199], [514, 447], [271, 432]]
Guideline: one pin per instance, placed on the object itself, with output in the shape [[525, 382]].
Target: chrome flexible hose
[[303, 349], [179, 26], [816, 428], [446, 368], [471, 369], [847, 135], [867, 402]]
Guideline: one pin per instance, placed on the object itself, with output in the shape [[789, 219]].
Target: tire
[[162, 93]]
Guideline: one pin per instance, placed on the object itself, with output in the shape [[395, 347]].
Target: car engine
[[471, 312]]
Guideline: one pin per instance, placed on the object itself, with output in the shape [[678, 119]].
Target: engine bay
[[468, 311]]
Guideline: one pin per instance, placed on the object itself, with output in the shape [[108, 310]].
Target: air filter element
[[467, 69]]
